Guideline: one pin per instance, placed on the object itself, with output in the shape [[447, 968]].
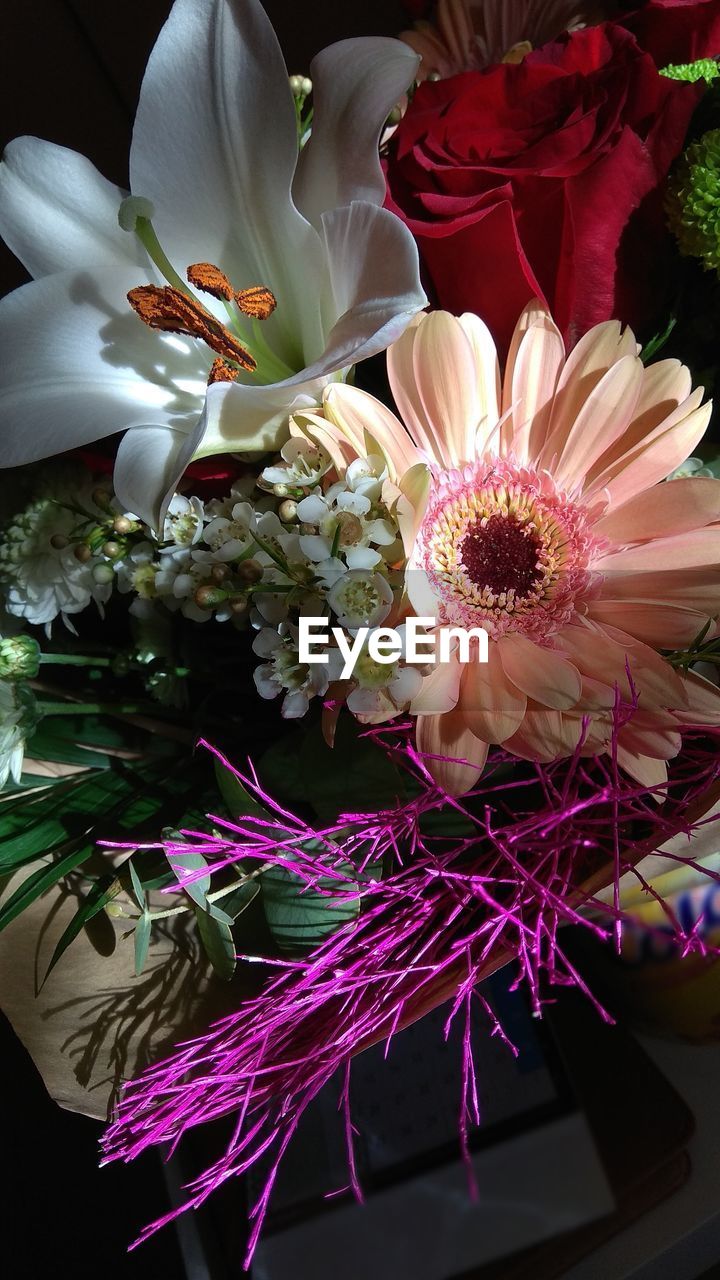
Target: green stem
[[146, 235], [73, 660], [94, 708]]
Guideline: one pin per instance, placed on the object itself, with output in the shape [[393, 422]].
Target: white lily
[[217, 178]]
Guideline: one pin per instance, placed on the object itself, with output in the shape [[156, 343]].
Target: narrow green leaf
[[136, 884], [101, 893], [38, 883], [142, 942]]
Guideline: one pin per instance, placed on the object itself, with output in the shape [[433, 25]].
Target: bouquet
[[361, 550]]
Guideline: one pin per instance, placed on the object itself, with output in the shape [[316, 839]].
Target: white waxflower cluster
[[41, 574], [294, 542]]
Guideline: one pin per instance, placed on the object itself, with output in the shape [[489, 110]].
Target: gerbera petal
[[356, 83], [488, 381], [446, 379], [530, 387], [355, 413], [215, 148], [602, 419], [665, 386], [656, 622], [646, 770], [694, 548], [401, 375], [545, 734], [654, 458], [703, 701], [587, 363], [679, 507], [447, 738], [440, 690], [543, 674], [58, 213], [492, 706], [642, 737], [79, 365]]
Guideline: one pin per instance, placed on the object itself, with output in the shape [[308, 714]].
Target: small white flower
[[183, 524], [285, 674], [303, 464], [360, 599]]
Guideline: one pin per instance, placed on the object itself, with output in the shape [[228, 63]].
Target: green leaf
[[236, 797], [182, 863], [142, 942], [216, 937], [355, 775], [236, 902], [101, 893], [38, 883], [300, 918], [136, 884]]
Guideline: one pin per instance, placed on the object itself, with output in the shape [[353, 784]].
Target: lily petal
[[58, 213], [79, 365], [215, 148], [356, 83], [150, 461]]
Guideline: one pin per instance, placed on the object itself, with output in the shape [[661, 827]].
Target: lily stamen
[[170, 311]]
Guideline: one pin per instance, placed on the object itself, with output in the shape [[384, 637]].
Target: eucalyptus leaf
[[142, 942], [216, 937], [186, 863], [300, 918], [137, 885], [236, 797]]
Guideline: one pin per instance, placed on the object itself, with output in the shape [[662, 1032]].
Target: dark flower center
[[502, 554]]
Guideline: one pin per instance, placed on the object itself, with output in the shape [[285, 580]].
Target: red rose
[[544, 179], [677, 30]]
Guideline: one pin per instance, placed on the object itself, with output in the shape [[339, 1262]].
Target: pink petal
[[664, 510], [537, 365], [488, 381], [601, 421], [543, 674], [356, 413], [652, 460], [645, 770], [589, 361], [440, 690], [545, 735], [448, 738], [689, 550], [703, 701], [446, 378], [492, 707], [656, 623]]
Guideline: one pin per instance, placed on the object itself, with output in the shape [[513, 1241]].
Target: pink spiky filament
[[504, 549], [451, 912]]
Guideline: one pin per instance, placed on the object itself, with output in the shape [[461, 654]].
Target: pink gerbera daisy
[[538, 510], [471, 34]]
